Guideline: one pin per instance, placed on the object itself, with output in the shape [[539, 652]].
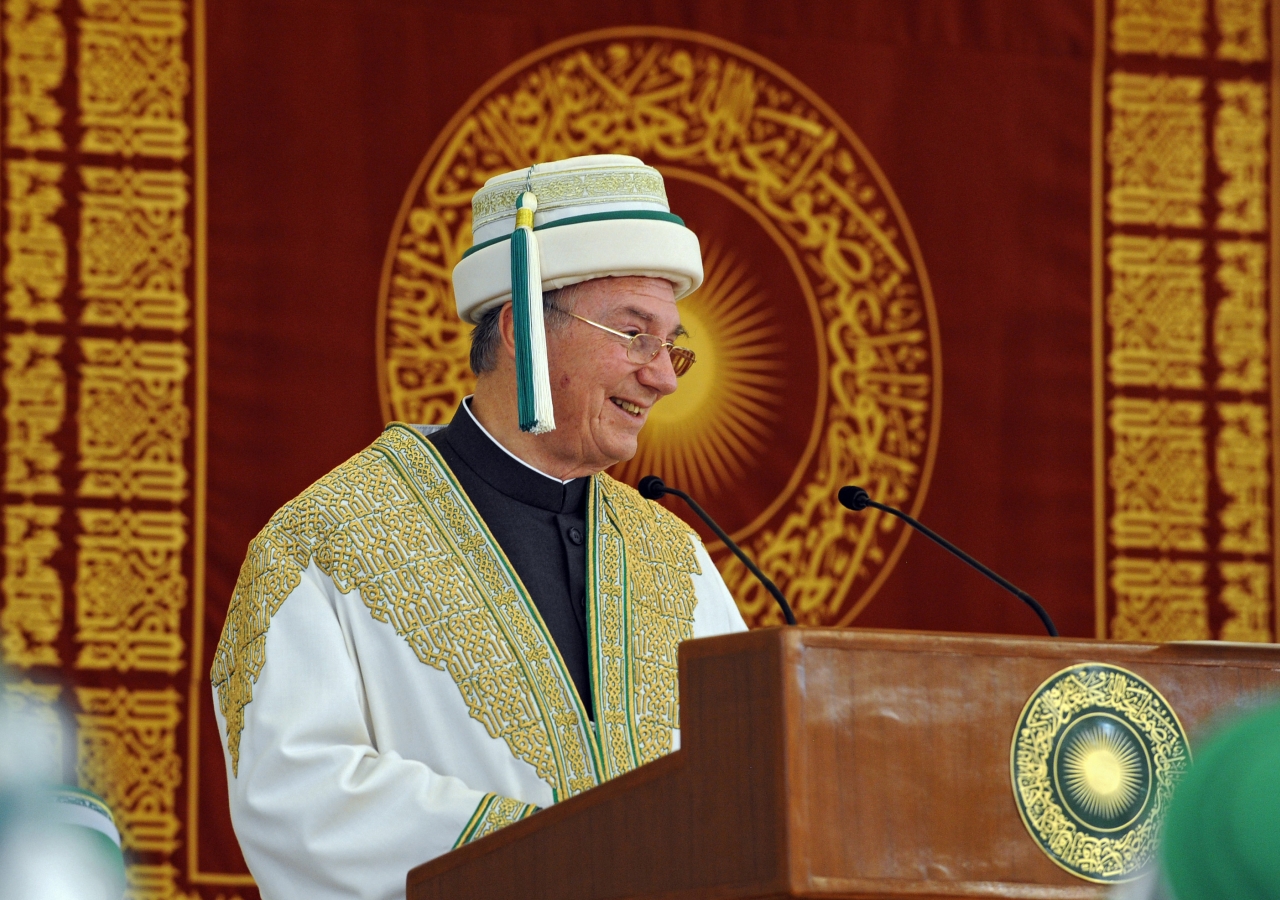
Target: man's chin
[[622, 448]]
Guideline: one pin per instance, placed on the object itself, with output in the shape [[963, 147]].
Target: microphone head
[[651, 487], [854, 497]]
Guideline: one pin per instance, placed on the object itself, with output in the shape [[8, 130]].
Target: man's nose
[[658, 373]]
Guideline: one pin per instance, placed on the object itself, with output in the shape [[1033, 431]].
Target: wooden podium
[[834, 763]]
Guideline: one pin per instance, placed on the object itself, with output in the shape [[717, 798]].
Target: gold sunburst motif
[[707, 434], [1102, 770], [862, 403], [1096, 755]]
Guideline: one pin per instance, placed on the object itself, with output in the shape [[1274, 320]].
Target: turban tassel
[[533, 379]]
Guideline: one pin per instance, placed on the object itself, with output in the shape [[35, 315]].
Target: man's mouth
[[628, 407]]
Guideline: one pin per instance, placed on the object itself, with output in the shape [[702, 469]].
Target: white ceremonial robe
[[386, 691]]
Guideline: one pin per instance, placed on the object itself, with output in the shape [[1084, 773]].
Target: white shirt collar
[[466, 404]]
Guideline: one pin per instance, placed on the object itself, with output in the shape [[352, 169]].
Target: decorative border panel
[[1184, 247], [102, 344]]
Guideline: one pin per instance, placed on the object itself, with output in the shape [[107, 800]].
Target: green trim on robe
[[394, 523], [546, 681], [492, 813]]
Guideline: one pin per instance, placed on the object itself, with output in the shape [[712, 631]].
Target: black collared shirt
[[540, 524]]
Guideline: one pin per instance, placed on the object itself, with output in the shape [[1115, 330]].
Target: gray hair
[[485, 337]]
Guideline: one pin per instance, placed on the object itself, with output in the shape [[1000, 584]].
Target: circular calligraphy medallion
[[1096, 753], [816, 334]]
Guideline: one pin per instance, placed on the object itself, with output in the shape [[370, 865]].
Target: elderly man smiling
[[463, 624]]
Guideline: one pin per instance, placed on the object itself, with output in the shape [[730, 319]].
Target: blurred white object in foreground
[[57, 842]]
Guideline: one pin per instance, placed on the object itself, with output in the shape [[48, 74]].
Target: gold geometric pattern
[[1161, 27], [133, 78], [1240, 149], [1246, 593], [133, 419], [1240, 318], [96, 245], [130, 590], [493, 814], [134, 250], [363, 524], [1183, 403], [1156, 312], [1156, 150], [704, 110], [637, 685], [35, 62], [155, 882], [34, 412], [127, 755], [609, 185], [1243, 467], [392, 523], [1243, 26], [1159, 474], [446, 526], [35, 272], [31, 619], [1159, 600]]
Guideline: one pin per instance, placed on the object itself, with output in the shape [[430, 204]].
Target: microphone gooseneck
[[651, 487], [855, 498]]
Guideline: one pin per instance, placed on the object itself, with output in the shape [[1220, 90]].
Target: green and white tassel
[[533, 380]]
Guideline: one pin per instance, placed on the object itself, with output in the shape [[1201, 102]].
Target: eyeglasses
[[642, 348]]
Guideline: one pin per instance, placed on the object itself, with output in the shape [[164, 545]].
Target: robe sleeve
[[716, 612], [320, 813]]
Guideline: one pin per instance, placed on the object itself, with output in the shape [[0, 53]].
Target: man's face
[[601, 397]]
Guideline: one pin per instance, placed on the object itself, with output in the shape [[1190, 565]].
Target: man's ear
[[507, 328]]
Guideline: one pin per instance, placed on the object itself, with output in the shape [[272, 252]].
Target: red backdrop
[[977, 113], [309, 120]]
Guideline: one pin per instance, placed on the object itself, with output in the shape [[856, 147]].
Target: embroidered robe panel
[[385, 688]]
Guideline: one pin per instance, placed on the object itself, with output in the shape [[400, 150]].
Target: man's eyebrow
[[638, 313], [649, 317]]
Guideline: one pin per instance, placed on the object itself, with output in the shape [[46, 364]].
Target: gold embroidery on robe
[[641, 559], [365, 529], [480, 562], [393, 523], [493, 812]]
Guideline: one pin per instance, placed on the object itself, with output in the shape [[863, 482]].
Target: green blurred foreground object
[[1222, 835], [59, 843]]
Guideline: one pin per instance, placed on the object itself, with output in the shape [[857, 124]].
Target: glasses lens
[[643, 348], [682, 360]]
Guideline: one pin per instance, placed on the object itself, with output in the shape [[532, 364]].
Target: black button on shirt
[[540, 524]]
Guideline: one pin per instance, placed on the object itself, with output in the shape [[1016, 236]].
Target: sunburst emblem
[[1096, 754], [819, 353], [706, 435], [1103, 771]]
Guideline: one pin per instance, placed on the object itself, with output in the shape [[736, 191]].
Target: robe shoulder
[[314, 525]]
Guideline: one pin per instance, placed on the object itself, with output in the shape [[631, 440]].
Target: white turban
[[596, 216]]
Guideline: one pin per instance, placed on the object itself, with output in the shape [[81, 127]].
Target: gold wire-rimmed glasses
[[642, 348]]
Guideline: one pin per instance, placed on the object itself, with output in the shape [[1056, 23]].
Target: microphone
[[857, 499], [651, 487]]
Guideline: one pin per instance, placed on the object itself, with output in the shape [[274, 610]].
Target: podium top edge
[[1041, 646]]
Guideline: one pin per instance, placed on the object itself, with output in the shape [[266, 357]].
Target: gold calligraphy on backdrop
[[1183, 380], [102, 336], [708, 113]]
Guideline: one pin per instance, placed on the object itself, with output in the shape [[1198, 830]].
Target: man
[[461, 625]]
